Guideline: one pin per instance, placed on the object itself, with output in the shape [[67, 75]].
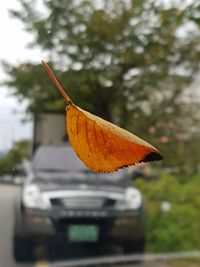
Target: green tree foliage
[[178, 228], [20, 151], [128, 61]]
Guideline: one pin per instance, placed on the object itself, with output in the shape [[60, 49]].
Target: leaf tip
[[152, 156]]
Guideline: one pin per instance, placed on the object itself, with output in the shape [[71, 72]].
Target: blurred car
[[6, 178], [68, 209], [19, 174]]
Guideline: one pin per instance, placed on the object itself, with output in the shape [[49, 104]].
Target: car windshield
[[57, 159], [60, 164]]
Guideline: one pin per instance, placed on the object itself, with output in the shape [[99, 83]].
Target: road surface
[[8, 194]]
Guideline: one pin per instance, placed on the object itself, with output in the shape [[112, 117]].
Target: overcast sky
[[13, 49]]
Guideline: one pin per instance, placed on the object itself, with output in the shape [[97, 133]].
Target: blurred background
[[134, 63]]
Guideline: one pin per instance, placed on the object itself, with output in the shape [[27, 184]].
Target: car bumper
[[114, 226]]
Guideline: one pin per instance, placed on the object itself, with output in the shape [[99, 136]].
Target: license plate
[[83, 233]]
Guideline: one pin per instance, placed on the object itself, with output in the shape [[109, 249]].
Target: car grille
[[96, 203]]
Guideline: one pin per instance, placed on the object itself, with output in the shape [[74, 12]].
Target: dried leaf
[[101, 145]]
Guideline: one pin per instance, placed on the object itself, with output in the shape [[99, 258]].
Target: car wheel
[[23, 250], [134, 247]]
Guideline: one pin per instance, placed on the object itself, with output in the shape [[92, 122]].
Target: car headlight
[[132, 200], [33, 198]]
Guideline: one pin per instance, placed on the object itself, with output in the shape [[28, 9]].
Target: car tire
[[23, 250], [134, 247]]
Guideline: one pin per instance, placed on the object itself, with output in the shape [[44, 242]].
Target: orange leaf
[[101, 145]]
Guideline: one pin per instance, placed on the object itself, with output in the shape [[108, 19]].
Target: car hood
[[81, 181]]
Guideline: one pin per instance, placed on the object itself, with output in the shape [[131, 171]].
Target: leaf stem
[[55, 81]]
